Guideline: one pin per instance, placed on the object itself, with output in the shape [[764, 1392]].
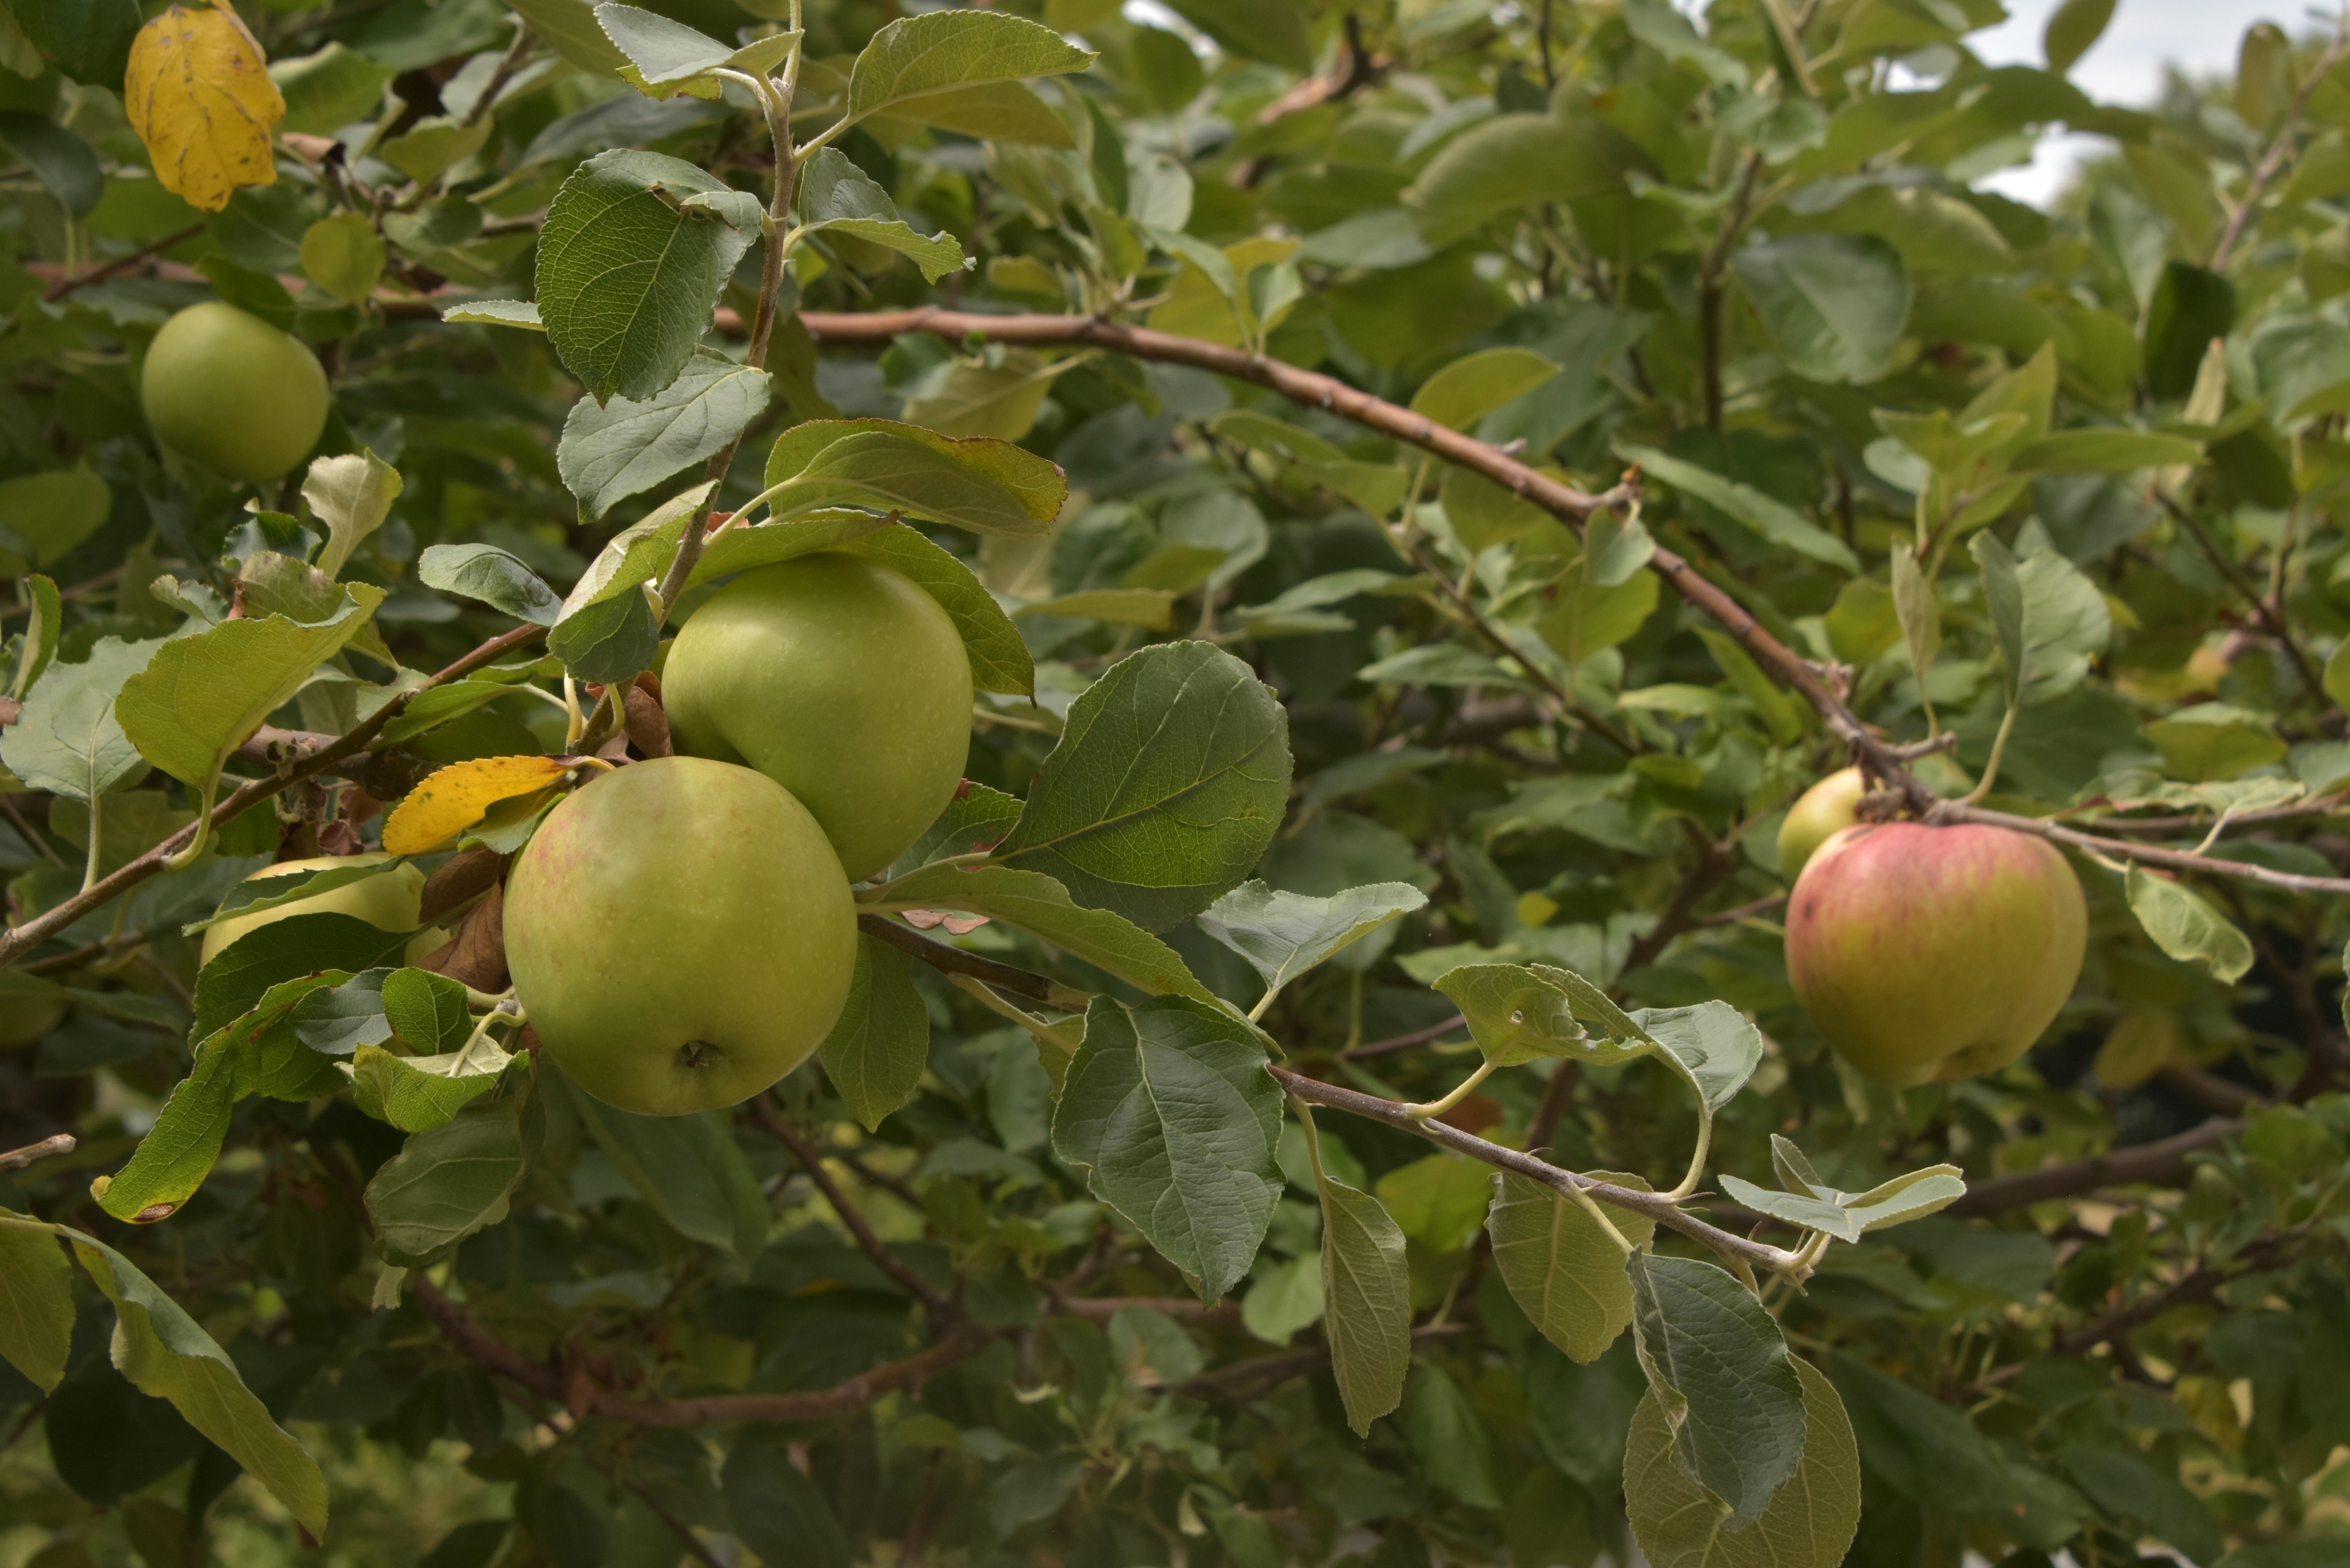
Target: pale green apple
[[234, 393], [388, 902], [680, 934], [1928, 954], [1829, 805], [841, 680]]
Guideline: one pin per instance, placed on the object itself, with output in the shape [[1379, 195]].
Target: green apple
[[680, 934], [388, 902], [1928, 954], [839, 679], [234, 393], [1826, 808], [30, 1007]]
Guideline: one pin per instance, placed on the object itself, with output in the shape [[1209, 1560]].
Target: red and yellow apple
[[680, 934], [841, 680], [1928, 954]]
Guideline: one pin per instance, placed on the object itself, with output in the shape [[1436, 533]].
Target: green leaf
[[635, 248], [915, 56], [1274, 31], [36, 1304], [1038, 484], [1037, 904], [2073, 27], [417, 1093], [878, 1050], [2190, 307], [1170, 778], [1835, 303], [54, 511], [1565, 1274], [1365, 1302], [2104, 449], [1809, 1521], [2152, 1497], [65, 164], [1474, 385], [1439, 1200], [663, 52], [1449, 1438], [352, 495], [66, 741], [435, 145], [638, 556], [981, 399], [779, 1513], [902, 473], [976, 819], [1521, 1014], [1725, 1387], [1516, 162], [1000, 660], [836, 197], [736, 548], [344, 255], [990, 111], [2212, 742], [2187, 926], [242, 974], [430, 1012], [1171, 1110], [165, 1355], [522, 313], [261, 893], [449, 1182], [1283, 935], [41, 627], [490, 575], [202, 697], [1719, 1045], [689, 1168], [613, 451], [1920, 614], [610, 640], [2003, 596], [572, 31], [1769, 517], [2065, 625]]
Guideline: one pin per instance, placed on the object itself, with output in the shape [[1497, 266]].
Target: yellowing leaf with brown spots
[[458, 795], [199, 95]]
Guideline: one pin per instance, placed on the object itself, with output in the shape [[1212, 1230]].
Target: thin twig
[[1655, 1206], [2280, 149], [2279, 633], [2147, 1162], [811, 1160], [1394, 1042], [18, 1159], [119, 265], [116, 883], [955, 960]]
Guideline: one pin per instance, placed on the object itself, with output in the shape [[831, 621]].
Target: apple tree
[[824, 782]]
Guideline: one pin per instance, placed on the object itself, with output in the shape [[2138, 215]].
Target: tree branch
[[2147, 1162], [1657, 1207], [940, 1305], [492, 1354], [2280, 149], [41, 927], [955, 960]]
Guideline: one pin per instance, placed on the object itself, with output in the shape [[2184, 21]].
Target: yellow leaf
[[458, 796], [199, 95]]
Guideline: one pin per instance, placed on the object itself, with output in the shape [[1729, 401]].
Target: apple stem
[[1427, 1109]]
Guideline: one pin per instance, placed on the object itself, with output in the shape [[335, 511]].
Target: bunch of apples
[[681, 930], [1925, 954]]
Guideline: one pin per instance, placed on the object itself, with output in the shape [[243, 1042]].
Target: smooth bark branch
[[41, 927], [18, 1159], [1655, 1206], [2164, 1161], [845, 1398]]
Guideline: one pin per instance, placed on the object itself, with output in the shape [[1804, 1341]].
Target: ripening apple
[[841, 680], [234, 393], [680, 934], [389, 901], [1928, 954], [1831, 805]]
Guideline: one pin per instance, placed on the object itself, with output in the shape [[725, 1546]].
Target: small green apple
[[234, 393], [680, 934], [1827, 807], [388, 902], [1928, 954], [839, 679]]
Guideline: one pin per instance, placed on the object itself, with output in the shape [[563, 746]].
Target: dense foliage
[[1422, 488]]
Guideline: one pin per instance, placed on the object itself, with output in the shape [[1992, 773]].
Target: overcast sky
[[2125, 65]]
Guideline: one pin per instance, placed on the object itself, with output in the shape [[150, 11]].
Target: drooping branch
[[2162, 1161], [850, 1394], [1655, 1206], [41, 927], [1886, 760]]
